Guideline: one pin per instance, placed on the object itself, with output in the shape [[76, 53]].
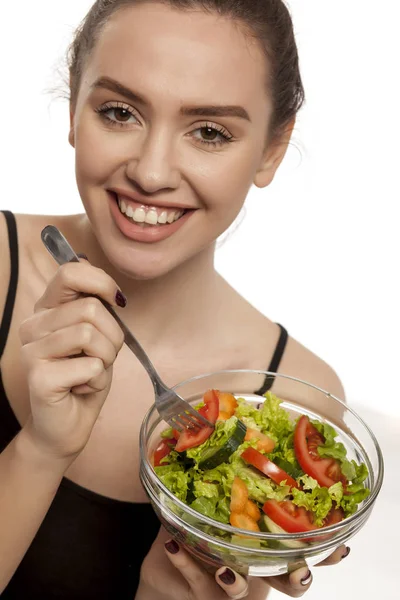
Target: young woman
[[177, 108]]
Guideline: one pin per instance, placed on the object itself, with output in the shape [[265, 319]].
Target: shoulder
[[34, 262], [300, 362]]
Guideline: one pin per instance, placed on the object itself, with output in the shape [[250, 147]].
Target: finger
[[83, 310], [74, 279], [51, 381], [294, 584], [72, 341], [198, 579], [234, 585], [335, 558]]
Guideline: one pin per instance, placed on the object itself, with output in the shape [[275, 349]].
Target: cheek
[[97, 152], [225, 181]]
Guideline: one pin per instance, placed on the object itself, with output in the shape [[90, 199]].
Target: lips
[[143, 232]]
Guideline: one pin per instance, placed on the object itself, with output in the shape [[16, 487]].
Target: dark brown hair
[[268, 21]]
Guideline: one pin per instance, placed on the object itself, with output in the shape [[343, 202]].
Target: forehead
[[192, 56]]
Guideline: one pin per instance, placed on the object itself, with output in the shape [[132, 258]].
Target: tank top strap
[[13, 283]]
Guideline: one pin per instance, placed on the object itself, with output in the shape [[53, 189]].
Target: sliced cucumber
[[216, 455], [274, 528]]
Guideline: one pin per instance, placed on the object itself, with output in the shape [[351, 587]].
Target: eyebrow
[[202, 111]]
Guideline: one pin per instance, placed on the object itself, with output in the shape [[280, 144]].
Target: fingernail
[[346, 553], [306, 579], [227, 577], [171, 547], [81, 255], [120, 299]]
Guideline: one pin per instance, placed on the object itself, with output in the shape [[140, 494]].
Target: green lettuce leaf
[[318, 501], [207, 490], [222, 432], [175, 479], [213, 508], [275, 419], [167, 433]]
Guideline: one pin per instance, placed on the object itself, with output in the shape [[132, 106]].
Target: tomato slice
[[162, 450], [191, 439], [266, 466], [290, 517], [306, 441], [334, 516]]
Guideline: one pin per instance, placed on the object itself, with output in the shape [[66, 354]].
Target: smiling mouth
[[146, 215]]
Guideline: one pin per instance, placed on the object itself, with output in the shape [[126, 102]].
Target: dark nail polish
[[346, 553], [120, 299], [81, 255], [172, 547], [227, 577], [306, 579]]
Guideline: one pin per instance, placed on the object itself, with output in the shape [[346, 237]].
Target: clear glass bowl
[[210, 540]]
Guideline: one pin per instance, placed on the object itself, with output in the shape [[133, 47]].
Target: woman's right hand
[[69, 346]]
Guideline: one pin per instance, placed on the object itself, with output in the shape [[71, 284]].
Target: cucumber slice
[[274, 528], [216, 455]]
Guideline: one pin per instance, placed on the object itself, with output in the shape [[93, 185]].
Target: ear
[[71, 135], [273, 156]]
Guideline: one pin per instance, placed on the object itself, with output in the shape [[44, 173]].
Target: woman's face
[[169, 127]]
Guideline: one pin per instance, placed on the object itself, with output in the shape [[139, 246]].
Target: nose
[[153, 169]]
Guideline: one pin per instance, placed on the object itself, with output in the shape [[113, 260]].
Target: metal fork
[[171, 407]]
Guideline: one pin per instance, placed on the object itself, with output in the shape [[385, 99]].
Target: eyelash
[[106, 108]]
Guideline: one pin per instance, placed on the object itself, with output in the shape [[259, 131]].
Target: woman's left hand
[[190, 581]]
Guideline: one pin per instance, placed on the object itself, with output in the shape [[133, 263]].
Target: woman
[[177, 108]]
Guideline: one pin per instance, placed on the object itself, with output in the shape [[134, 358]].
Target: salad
[[260, 470]]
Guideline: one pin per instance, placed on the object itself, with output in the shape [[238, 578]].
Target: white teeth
[[163, 217], [171, 217], [139, 215], [151, 217]]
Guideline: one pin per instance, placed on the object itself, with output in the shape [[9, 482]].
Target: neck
[[167, 307]]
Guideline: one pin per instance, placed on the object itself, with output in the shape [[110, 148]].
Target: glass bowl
[[218, 544]]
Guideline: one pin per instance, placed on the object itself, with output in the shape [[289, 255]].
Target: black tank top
[[88, 546]]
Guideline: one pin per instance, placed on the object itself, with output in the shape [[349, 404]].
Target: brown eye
[[209, 134], [122, 115]]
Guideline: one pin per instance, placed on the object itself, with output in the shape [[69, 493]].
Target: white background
[[317, 251]]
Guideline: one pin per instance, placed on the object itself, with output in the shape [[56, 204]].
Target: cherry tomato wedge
[[266, 466], [191, 439], [291, 518], [334, 516], [162, 450], [306, 441]]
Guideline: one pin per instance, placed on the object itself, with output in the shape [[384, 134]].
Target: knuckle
[[92, 308], [86, 333], [97, 366]]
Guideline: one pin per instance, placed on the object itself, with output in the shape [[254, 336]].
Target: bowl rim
[[337, 527]]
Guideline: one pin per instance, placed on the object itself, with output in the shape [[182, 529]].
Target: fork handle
[[62, 252]]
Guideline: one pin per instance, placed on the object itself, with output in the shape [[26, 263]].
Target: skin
[[82, 422]]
